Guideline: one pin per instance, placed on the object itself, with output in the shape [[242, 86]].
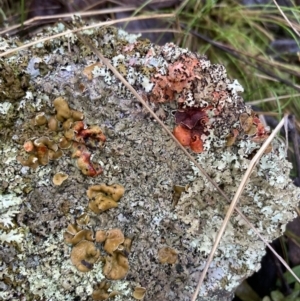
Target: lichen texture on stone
[[59, 103]]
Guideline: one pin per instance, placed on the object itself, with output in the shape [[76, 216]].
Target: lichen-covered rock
[[139, 155]]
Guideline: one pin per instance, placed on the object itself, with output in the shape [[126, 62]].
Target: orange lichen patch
[[167, 255], [116, 266], [114, 238], [50, 144], [191, 125], [74, 234], [67, 124], [196, 144], [63, 111], [183, 134], [54, 155], [88, 71], [59, 178], [139, 293], [77, 115], [103, 197], [28, 146], [100, 236], [101, 291], [73, 229], [116, 191], [42, 153], [41, 150], [179, 77], [253, 127], [84, 255]]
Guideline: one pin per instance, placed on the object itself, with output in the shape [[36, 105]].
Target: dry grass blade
[[106, 23], [257, 102], [237, 195], [68, 15], [286, 19]]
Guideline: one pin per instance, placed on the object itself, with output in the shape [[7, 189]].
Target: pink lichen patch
[[180, 76]]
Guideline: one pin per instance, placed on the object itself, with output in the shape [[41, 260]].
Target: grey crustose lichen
[[138, 154]]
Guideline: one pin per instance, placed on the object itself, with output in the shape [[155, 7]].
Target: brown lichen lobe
[[83, 255], [139, 293], [69, 133], [116, 266], [167, 255], [101, 292], [103, 197]]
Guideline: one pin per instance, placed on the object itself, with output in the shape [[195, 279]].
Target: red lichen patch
[[196, 144], [180, 76], [192, 125], [191, 116], [84, 160], [92, 136], [183, 134]]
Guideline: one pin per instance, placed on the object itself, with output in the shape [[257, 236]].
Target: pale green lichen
[[9, 208]]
